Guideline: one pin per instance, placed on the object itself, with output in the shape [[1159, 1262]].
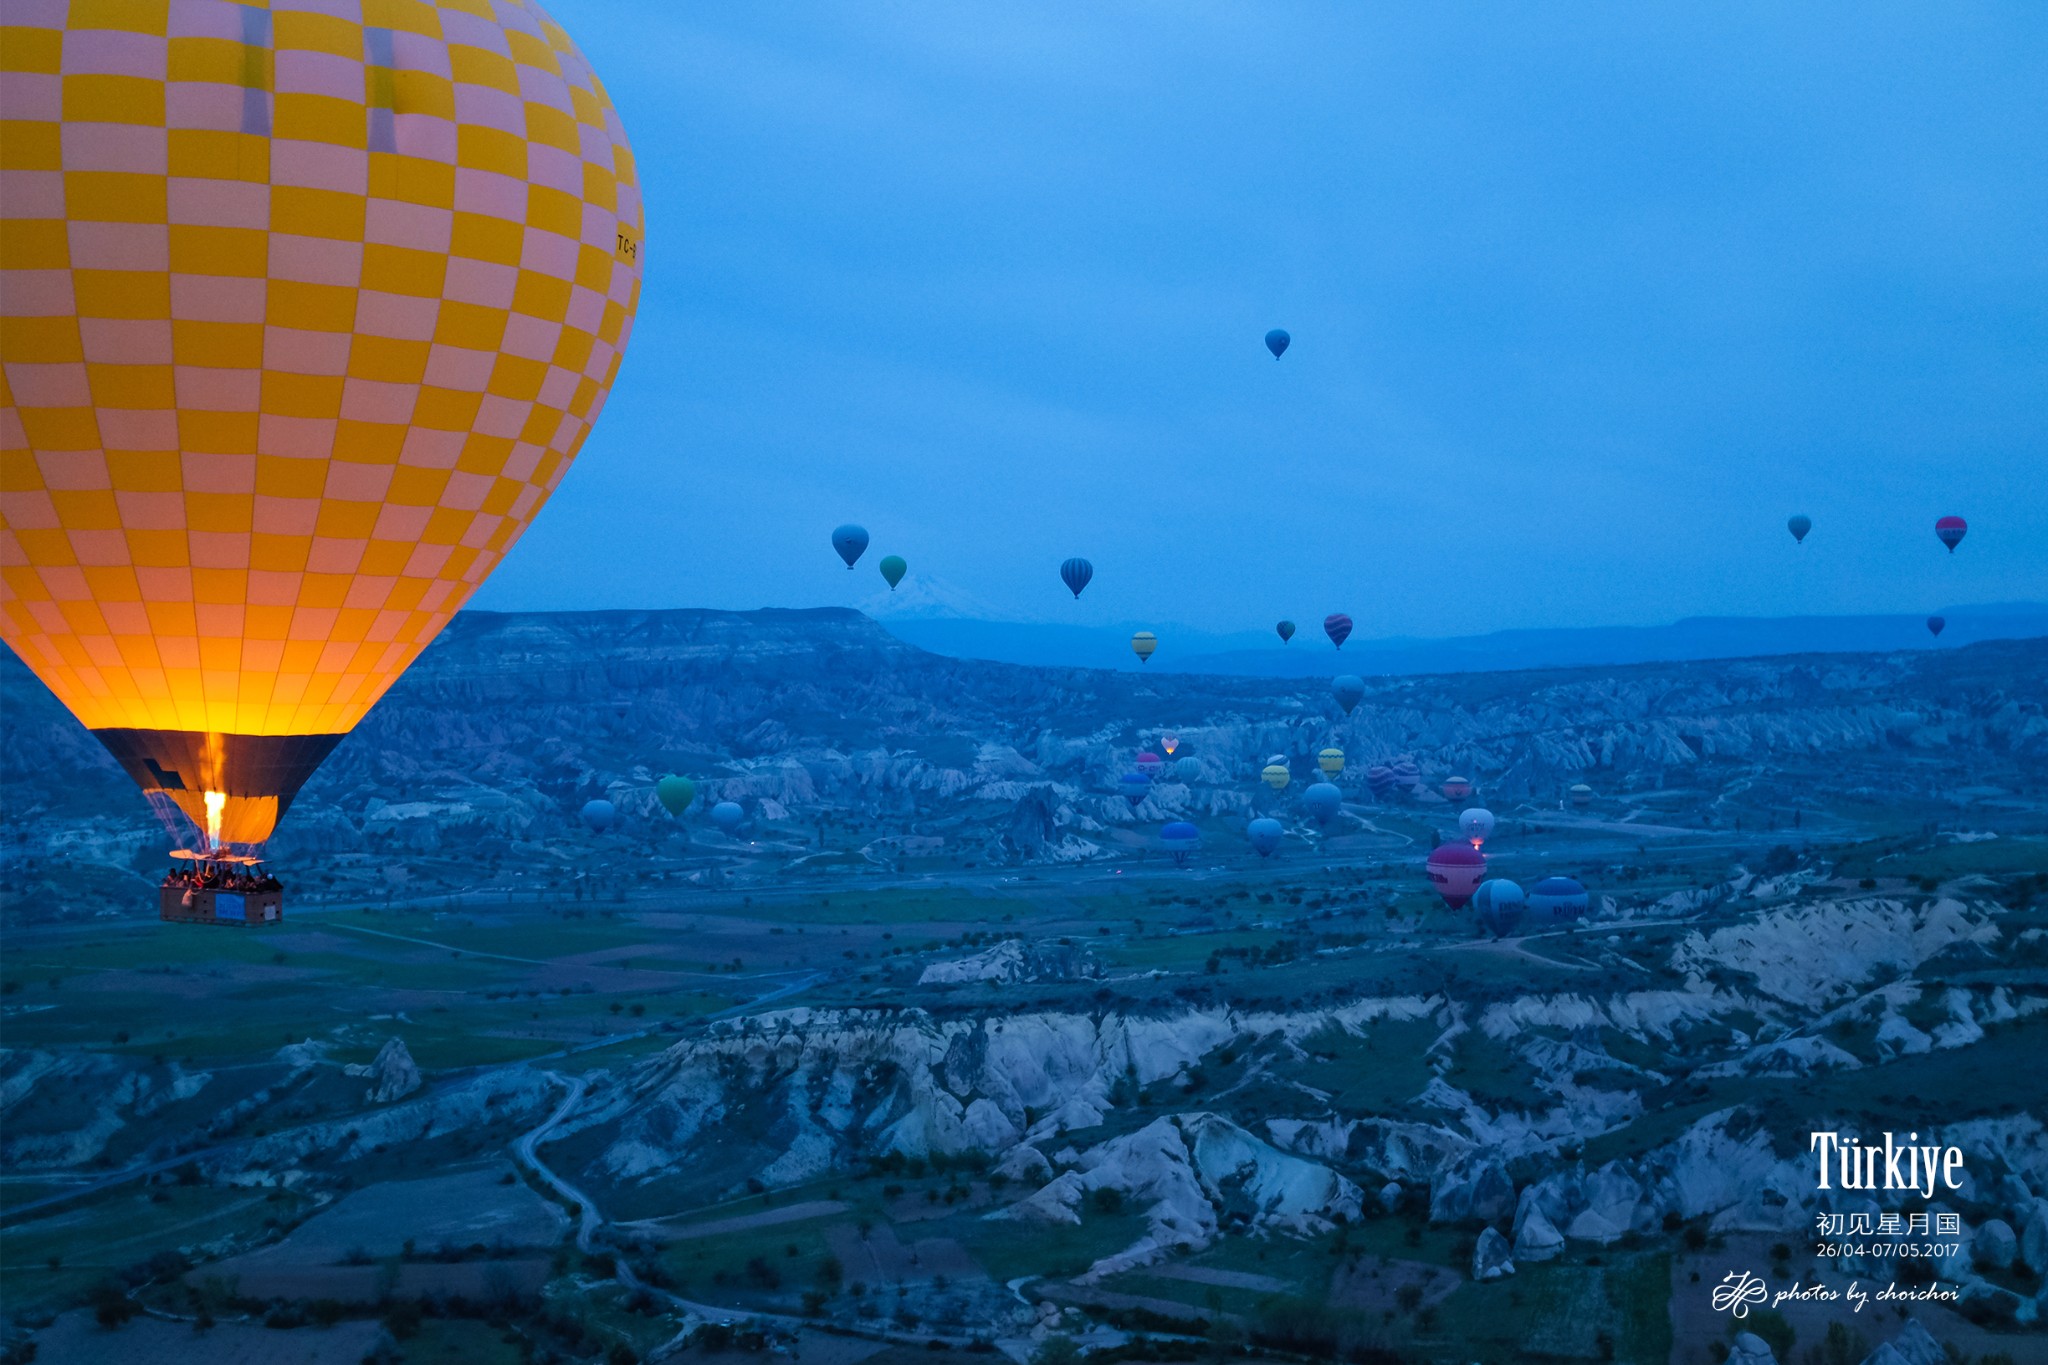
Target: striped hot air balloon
[[1950, 531], [1499, 905], [1075, 573], [308, 310], [1143, 643], [1338, 627]]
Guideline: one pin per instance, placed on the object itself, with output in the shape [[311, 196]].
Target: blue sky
[[1586, 300]]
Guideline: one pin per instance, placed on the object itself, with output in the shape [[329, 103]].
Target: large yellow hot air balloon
[[303, 317], [1331, 761], [1276, 776]]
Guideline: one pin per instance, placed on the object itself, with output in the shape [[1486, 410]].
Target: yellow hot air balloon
[[1276, 776], [1169, 743], [1143, 643], [1331, 761], [304, 317]]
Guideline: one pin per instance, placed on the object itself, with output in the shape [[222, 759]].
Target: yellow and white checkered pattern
[[305, 308]]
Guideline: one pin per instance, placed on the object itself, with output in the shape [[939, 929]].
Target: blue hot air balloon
[[1135, 787], [1180, 839], [1499, 904], [1075, 573], [1265, 834], [1799, 526], [1277, 342], [851, 541], [1323, 801], [1935, 625], [727, 815], [1557, 900], [1187, 767], [599, 815], [1348, 689]]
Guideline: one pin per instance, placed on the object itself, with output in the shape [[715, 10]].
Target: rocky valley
[[938, 1048]]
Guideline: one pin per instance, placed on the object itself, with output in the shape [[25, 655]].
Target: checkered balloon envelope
[[306, 309]]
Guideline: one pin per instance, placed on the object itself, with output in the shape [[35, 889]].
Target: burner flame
[[216, 803]]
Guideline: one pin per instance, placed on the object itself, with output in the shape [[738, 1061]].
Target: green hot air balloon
[[675, 794], [893, 569]]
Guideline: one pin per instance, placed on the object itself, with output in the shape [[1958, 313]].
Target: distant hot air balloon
[[1143, 643], [1456, 788], [599, 814], [1407, 773], [1150, 764], [1134, 787], [1455, 870], [1349, 690], [1075, 573], [675, 794], [1951, 531], [1322, 801], [1331, 761], [1557, 899], [1285, 630], [1169, 743], [1338, 627], [1265, 834], [1277, 342], [1799, 526], [1188, 768], [1582, 795], [1936, 625], [1498, 905], [1476, 825], [851, 542], [254, 461], [893, 568], [1180, 838], [1380, 779], [727, 815], [1276, 776]]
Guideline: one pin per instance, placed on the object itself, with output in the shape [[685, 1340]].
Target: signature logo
[[1737, 1291]]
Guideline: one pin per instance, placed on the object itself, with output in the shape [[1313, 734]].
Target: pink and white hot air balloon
[[1455, 870]]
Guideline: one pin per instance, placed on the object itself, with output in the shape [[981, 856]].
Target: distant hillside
[[1186, 650], [821, 719]]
